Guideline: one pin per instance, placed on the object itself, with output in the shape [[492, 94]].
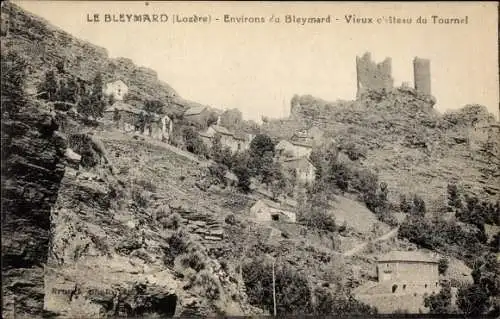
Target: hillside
[[44, 45], [412, 147], [103, 223]]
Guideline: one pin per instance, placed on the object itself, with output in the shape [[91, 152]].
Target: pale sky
[[257, 68]]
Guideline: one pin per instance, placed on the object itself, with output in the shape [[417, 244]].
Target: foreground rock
[[33, 162]]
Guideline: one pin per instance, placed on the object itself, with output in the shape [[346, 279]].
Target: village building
[[117, 89], [289, 149], [313, 136], [267, 211], [243, 140], [124, 115], [302, 168], [236, 142], [404, 278], [198, 115]]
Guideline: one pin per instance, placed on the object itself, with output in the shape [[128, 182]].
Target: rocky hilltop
[[44, 46], [413, 147]]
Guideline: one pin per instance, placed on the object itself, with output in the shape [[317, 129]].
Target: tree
[[404, 204], [68, 91], [243, 174], [439, 303], [97, 102], [340, 175], [454, 199], [154, 106], [443, 266], [49, 88], [193, 142], [231, 119], [258, 147], [293, 295], [472, 300], [418, 206]]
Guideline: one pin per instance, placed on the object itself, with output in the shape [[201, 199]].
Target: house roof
[[283, 144], [271, 204], [221, 130], [116, 81], [231, 176], [413, 256], [303, 144], [195, 110], [122, 106], [297, 160]]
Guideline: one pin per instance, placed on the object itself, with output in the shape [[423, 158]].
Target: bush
[[443, 266], [209, 283], [439, 303], [172, 221], [293, 295], [230, 219], [449, 237], [194, 260], [178, 243]]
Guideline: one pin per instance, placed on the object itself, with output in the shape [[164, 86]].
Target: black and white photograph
[[196, 159]]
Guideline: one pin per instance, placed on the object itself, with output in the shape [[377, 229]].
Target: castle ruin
[[377, 76], [373, 76], [422, 75]]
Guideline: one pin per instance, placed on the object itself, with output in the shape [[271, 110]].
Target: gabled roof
[[272, 204], [296, 161], [283, 144], [122, 106], [412, 256], [221, 130], [115, 81], [195, 110], [302, 144]]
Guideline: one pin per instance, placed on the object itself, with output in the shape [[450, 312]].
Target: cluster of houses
[[126, 116], [293, 154]]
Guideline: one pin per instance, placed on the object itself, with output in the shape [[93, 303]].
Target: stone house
[[312, 136], [198, 115], [404, 278], [304, 170], [266, 211], [243, 140], [123, 114], [117, 89], [290, 149], [236, 142]]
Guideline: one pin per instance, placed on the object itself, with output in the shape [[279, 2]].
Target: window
[[275, 217], [394, 288], [404, 287], [425, 285]]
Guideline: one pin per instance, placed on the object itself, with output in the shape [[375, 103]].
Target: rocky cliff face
[[32, 168]]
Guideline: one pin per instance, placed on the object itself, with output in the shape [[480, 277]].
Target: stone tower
[[422, 75], [373, 76]]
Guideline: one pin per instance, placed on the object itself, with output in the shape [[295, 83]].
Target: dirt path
[[362, 246]]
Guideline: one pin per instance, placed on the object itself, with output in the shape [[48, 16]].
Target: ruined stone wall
[[373, 76], [422, 75]]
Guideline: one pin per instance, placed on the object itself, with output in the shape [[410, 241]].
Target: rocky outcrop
[[33, 164], [47, 46]]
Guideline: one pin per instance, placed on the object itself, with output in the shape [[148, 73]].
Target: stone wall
[[422, 75], [373, 76]]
